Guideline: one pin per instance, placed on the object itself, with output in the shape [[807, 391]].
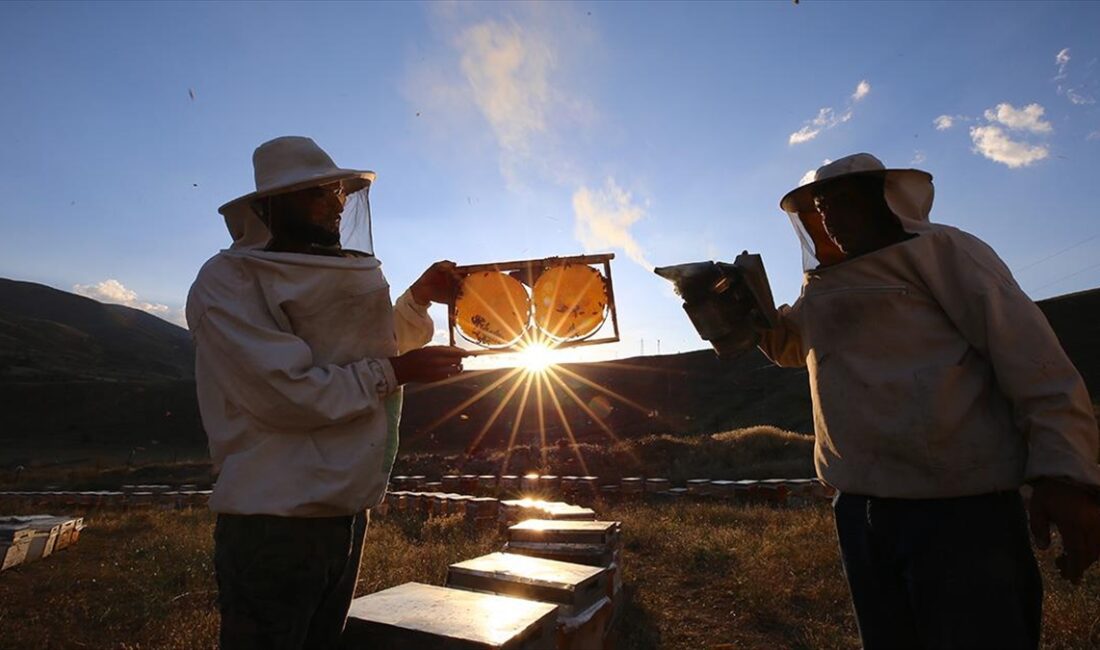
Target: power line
[[1053, 255], [1066, 277]]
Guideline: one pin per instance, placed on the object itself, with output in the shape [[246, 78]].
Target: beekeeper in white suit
[[300, 358], [938, 390]]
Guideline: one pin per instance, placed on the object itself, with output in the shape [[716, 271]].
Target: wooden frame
[[527, 272]]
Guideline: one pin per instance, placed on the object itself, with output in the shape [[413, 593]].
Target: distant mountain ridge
[[51, 335], [74, 368]]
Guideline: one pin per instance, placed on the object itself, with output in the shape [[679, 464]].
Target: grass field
[[698, 575]]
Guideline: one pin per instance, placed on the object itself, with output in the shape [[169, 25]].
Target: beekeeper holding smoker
[[939, 389], [300, 358]]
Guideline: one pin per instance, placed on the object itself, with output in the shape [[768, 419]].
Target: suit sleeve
[[1051, 405], [783, 344], [411, 322]]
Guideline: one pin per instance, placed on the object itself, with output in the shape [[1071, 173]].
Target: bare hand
[[1076, 513], [436, 284], [429, 364]]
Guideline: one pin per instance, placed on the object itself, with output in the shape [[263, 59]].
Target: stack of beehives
[[556, 585], [32, 537]]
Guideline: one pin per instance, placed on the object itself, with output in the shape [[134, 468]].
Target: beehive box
[[65, 536], [581, 592], [529, 483], [44, 540], [573, 587], [656, 485], [698, 486], [631, 486], [15, 541], [549, 484], [548, 531], [599, 555], [723, 489], [426, 617], [595, 543]]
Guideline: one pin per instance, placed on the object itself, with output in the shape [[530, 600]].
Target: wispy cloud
[[604, 217], [944, 122], [114, 292], [1095, 135], [514, 76], [508, 75], [1077, 93], [507, 72], [828, 118], [1029, 118], [992, 142], [862, 90], [1062, 61], [918, 157]]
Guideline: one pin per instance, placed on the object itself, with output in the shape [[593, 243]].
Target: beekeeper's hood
[[288, 164], [908, 193]]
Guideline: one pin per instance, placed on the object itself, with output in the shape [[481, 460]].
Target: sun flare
[[536, 358]]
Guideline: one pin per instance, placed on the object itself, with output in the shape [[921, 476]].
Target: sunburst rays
[[555, 390]]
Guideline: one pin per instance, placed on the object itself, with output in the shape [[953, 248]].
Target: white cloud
[[507, 72], [603, 217], [805, 134], [918, 157], [828, 118], [992, 142], [511, 75], [1095, 135], [1029, 118], [1062, 60], [113, 291], [862, 90], [808, 177], [944, 122]]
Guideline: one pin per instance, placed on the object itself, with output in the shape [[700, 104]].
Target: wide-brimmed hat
[[293, 163], [801, 199]]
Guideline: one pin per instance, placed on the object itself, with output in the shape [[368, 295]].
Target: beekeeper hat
[[293, 163]]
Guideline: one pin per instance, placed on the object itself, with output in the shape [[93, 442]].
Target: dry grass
[[698, 575]]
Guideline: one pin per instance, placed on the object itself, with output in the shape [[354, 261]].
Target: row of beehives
[[170, 498], [586, 489], [557, 584], [28, 538], [481, 510]]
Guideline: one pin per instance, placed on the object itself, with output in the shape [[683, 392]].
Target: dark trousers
[[285, 582], [941, 573]]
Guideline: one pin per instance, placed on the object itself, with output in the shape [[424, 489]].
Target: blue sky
[[664, 132]]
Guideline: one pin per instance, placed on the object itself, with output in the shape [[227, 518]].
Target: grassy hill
[[75, 372]]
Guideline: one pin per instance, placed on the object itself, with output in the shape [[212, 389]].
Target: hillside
[[73, 369], [52, 335]]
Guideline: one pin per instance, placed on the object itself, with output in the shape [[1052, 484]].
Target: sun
[[536, 358]]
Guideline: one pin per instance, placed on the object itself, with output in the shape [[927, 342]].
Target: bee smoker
[[727, 303]]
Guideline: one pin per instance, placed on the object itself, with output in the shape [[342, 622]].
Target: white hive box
[[574, 587], [15, 541], [580, 591], [47, 529], [594, 543], [555, 531], [425, 617]]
